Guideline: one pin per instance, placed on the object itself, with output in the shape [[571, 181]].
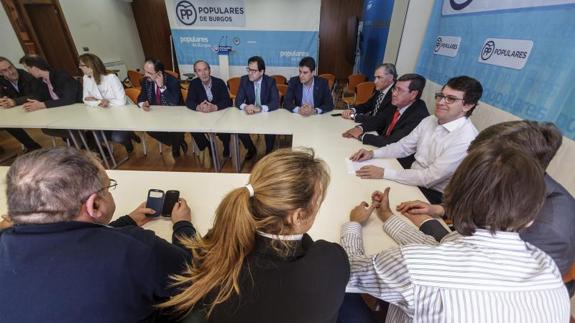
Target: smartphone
[[170, 200], [336, 115], [155, 201]]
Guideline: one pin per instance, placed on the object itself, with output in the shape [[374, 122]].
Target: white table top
[[204, 191]]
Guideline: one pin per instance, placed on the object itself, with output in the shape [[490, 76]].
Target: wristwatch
[[352, 116]]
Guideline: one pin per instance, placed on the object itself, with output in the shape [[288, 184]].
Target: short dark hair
[[35, 61], [497, 187], [259, 61], [50, 185], [389, 68], [158, 65], [540, 140], [202, 61], [417, 83], [308, 62], [4, 59], [471, 88]]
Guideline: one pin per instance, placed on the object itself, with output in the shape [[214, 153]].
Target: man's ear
[[91, 205]]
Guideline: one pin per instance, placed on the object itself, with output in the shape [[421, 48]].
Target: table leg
[[215, 158], [236, 152], [71, 133], [101, 150], [109, 149]]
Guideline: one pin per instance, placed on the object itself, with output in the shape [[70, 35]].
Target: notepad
[[352, 166]]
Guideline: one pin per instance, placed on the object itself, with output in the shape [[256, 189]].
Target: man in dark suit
[[161, 88], [257, 93], [552, 230], [404, 113], [308, 94], [207, 94], [16, 87], [384, 78], [57, 87]]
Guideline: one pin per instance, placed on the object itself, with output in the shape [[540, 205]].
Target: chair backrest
[[234, 85], [172, 73], [570, 276], [135, 77], [353, 80], [184, 93], [280, 79], [282, 89], [363, 92], [330, 79], [132, 93]]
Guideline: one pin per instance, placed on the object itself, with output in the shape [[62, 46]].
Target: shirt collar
[[503, 239], [384, 91], [292, 237], [311, 85], [452, 125], [402, 110]]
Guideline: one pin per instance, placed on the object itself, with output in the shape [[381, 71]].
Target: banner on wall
[[200, 28], [520, 51]]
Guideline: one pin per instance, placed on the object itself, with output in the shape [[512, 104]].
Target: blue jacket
[[269, 93], [321, 94]]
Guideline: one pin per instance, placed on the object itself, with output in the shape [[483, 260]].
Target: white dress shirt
[[438, 149], [257, 85], [480, 278], [110, 88]]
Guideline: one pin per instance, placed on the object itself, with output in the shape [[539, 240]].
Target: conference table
[[204, 191]]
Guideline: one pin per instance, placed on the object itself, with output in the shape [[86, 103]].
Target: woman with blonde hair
[[104, 89], [257, 263]]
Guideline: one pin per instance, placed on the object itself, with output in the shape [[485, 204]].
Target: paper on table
[[352, 166]]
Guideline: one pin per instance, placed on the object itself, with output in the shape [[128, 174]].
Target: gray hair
[[50, 185], [389, 69]]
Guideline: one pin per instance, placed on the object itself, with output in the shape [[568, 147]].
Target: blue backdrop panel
[[278, 48], [543, 90], [376, 20]]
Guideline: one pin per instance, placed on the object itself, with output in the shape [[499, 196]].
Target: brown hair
[[283, 181], [497, 187], [471, 88], [50, 185], [95, 63], [541, 140]]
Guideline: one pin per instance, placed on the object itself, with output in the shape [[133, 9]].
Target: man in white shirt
[[439, 142]]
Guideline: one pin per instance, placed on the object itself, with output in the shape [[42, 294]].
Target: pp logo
[[186, 13], [437, 44], [236, 41], [487, 50], [458, 6]]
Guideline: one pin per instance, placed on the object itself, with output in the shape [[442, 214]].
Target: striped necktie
[[378, 103]]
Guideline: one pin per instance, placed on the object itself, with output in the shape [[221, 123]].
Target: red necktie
[[158, 96], [393, 122]]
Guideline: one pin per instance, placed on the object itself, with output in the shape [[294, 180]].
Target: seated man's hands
[[5, 222], [104, 103], [306, 110], [181, 212], [354, 132], [346, 114], [146, 106], [361, 213], [419, 211], [381, 202], [139, 215], [206, 107], [252, 109], [33, 105], [370, 172], [361, 155], [6, 102]]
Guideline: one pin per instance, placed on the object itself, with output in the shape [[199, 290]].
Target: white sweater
[[110, 88]]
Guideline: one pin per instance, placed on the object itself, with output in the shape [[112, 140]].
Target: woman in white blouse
[[103, 88]]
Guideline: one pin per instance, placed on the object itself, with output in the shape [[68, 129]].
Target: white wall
[[395, 31], [485, 115], [11, 48], [107, 28]]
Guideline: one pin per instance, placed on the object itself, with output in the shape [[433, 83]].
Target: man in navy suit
[[160, 88], [308, 94], [257, 93]]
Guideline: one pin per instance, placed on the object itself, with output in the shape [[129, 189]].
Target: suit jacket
[[406, 123], [68, 89], [29, 87], [171, 96], [84, 272], [321, 94], [307, 286], [363, 111], [197, 94], [268, 93], [551, 231]]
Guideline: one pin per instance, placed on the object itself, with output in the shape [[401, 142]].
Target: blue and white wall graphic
[[522, 52], [282, 32]]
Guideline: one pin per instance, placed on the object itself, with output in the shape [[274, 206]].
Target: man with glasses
[[397, 119], [16, 87], [61, 262], [257, 93], [439, 142], [384, 77]]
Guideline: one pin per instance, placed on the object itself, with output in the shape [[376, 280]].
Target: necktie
[[53, 94], [258, 99], [393, 122], [378, 103], [158, 95]]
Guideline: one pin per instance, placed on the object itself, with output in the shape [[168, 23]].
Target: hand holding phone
[[155, 201], [170, 199]]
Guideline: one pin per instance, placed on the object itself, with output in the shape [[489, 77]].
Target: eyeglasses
[[251, 70], [398, 90], [111, 187], [448, 98], [82, 65]]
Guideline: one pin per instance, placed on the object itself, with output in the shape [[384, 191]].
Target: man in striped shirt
[[483, 272]]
